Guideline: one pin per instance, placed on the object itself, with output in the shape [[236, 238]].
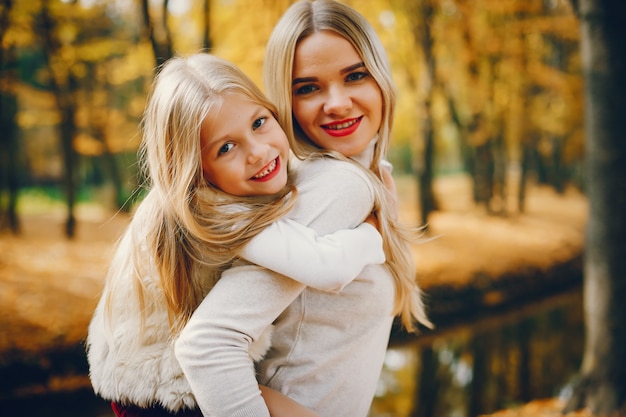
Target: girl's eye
[[225, 148], [305, 89], [356, 76], [258, 123]]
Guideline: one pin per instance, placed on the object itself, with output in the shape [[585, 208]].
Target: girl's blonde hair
[[303, 19], [185, 231]]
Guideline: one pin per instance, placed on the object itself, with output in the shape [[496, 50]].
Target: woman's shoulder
[[327, 178], [327, 166]]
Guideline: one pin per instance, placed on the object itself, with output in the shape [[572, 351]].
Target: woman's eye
[[258, 123], [305, 89], [225, 148], [356, 76]]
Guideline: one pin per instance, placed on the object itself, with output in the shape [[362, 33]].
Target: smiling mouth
[[342, 125], [269, 168]]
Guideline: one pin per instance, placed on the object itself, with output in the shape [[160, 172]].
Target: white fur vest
[[141, 371]]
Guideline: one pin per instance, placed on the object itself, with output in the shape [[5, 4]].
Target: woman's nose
[[337, 102]]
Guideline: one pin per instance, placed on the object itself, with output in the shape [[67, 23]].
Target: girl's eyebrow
[[342, 71]]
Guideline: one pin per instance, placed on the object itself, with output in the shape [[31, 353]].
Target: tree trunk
[[207, 44], [423, 36], [67, 132], [8, 140], [602, 386], [63, 85], [427, 194], [162, 49], [9, 159]]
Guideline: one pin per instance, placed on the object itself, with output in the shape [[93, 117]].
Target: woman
[[328, 74]]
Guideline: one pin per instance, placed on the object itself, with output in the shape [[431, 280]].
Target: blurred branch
[[575, 7]]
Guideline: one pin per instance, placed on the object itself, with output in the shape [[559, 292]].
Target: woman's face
[[336, 101], [244, 149]]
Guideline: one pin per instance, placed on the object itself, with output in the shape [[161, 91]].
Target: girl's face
[[244, 149], [336, 101]]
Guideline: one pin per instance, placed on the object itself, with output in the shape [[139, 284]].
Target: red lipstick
[[343, 127]]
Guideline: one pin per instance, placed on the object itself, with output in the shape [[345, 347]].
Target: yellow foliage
[[138, 62], [38, 117], [488, 56], [88, 145]]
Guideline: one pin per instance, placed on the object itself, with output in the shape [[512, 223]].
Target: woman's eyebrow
[[342, 71], [353, 67], [303, 80]]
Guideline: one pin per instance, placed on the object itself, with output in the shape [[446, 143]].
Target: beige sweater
[[327, 349]]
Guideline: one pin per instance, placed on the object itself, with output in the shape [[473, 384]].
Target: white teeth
[[270, 168], [342, 125]]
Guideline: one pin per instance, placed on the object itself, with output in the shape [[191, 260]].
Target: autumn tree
[[8, 140], [157, 30], [64, 83], [423, 14], [507, 72], [602, 384], [84, 66]]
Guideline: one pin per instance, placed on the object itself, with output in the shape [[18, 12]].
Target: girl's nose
[[258, 151], [338, 102]]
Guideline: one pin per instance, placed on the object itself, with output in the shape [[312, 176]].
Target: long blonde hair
[[185, 224], [303, 19]]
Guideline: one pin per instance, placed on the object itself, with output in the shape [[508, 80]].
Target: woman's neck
[[367, 155]]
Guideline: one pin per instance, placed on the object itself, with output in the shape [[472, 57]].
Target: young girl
[[329, 76], [217, 160]]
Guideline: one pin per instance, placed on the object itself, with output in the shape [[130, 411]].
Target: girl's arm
[[283, 406], [325, 263]]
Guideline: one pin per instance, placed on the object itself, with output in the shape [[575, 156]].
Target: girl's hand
[[283, 406], [373, 220]]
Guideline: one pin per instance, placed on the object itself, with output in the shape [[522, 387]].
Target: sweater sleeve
[[213, 347], [326, 263]]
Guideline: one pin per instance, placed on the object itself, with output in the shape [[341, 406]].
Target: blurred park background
[[488, 151], [486, 87]]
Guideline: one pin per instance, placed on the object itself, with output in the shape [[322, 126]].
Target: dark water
[[80, 403], [485, 366], [461, 371]]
